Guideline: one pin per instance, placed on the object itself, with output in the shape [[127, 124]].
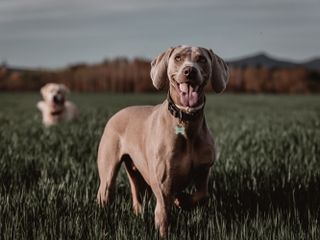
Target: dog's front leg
[[162, 214], [164, 201]]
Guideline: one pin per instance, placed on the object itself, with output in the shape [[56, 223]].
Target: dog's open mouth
[[189, 94]]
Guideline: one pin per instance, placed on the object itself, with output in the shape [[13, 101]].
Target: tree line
[[123, 75]]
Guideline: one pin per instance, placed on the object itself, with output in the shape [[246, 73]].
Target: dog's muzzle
[[58, 99], [189, 72]]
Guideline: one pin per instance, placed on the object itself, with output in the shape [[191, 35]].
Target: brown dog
[[167, 146], [55, 108]]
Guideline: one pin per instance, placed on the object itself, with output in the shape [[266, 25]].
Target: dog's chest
[[187, 158]]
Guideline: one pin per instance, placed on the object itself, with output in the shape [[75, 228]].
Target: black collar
[[180, 114]]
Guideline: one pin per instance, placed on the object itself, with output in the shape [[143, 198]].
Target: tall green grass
[[264, 185]]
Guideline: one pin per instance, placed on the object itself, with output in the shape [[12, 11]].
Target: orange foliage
[[276, 80]]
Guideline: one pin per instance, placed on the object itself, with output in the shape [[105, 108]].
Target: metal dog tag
[[180, 130]]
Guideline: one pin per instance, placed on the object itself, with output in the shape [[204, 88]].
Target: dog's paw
[[183, 201], [137, 209]]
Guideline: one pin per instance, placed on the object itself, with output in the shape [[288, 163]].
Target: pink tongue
[[188, 95]]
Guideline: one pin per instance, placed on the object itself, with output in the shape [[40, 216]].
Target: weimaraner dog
[[168, 146], [54, 107]]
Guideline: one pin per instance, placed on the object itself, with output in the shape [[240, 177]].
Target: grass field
[[264, 185]]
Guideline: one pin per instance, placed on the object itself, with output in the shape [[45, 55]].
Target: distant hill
[[313, 64], [254, 74], [265, 60], [257, 60]]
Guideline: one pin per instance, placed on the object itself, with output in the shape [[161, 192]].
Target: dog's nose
[[189, 72], [58, 99]]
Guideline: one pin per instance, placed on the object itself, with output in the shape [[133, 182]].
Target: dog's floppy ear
[[43, 90], [220, 73], [64, 88], [158, 71]]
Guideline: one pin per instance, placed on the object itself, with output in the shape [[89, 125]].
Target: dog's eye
[[177, 58], [202, 59]]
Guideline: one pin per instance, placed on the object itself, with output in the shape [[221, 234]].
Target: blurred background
[[102, 45]]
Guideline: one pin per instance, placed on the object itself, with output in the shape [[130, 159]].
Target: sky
[[56, 33]]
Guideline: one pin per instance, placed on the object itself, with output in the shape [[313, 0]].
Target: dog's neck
[[56, 110], [184, 114], [188, 125]]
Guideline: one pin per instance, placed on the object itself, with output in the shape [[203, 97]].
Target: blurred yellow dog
[[54, 107]]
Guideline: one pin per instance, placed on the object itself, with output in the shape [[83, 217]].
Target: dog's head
[[54, 94], [187, 70]]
